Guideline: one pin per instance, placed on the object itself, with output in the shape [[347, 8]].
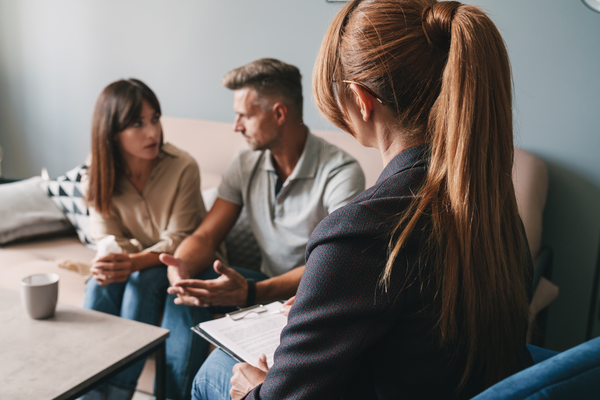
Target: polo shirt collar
[[408, 158], [307, 164]]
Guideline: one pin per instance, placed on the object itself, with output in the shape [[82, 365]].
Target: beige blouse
[[168, 210]]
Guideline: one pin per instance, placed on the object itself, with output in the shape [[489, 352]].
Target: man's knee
[[182, 315]]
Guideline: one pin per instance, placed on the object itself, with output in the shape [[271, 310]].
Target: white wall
[[56, 57]]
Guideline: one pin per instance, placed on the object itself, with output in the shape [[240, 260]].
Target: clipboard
[[244, 312], [197, 329], [246, 333]]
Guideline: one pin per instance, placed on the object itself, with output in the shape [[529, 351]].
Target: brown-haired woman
[[419, 287], [146, 194]]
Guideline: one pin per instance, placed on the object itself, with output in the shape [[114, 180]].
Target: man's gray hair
[[271, 79]]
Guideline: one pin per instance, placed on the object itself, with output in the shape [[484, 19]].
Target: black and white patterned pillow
[[66, 192]]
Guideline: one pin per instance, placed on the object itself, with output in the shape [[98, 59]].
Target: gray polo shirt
[[324, 179]]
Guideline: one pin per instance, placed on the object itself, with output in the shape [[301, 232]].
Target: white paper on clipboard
[[245, 339]]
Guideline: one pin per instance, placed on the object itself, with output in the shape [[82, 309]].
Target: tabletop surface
[[52, 358]]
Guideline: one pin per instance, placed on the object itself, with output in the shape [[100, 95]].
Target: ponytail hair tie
[[436, 21]]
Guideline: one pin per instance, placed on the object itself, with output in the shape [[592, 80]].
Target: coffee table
[[65, 356]]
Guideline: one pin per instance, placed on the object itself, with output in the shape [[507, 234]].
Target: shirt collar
[[306, 167], [406, 159]]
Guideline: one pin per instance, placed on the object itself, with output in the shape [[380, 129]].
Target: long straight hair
[[443, 70], [117, 107]]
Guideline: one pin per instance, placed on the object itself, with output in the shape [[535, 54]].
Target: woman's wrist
[[143, 260], [135, 263]]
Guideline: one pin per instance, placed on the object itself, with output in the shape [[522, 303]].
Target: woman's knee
[[103, 298], [93, 288], [204, 389], [149, 276], [150, 281], [212, 382]]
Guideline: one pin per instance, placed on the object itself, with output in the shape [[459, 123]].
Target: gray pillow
[[26, 211]]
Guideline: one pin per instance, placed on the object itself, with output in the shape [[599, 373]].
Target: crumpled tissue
[[107, 245]]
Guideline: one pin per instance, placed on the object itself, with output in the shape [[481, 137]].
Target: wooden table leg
[[161, 373]]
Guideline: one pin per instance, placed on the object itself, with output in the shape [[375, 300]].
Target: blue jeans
[[212, 381], [142, 298], [186, 351]]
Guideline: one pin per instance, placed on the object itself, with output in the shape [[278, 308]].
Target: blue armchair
[[572, 374]]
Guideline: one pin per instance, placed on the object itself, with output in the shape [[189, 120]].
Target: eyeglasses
[[372, 93]]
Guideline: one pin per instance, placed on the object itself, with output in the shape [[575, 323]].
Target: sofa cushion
[[71, 287], [53, 249], [26, 212], [16, 265], [19, 260], [66, 192]]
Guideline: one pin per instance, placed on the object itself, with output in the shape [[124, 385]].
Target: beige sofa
[[213, 145]]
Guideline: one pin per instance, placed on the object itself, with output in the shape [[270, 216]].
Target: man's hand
[[111, 268], [176, 270], [229, 289], [246, 377]]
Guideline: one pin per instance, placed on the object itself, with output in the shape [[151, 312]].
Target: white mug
[[39, 294]]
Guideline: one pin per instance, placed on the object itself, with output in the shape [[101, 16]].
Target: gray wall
[[555, 54], [55, 58]]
